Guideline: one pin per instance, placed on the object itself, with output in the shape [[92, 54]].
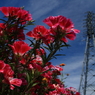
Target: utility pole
[[87, 82]]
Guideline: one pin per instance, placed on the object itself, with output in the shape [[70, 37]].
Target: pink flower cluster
[[26, 69], [6, 29], [8, 73]]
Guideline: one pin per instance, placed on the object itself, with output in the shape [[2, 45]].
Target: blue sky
[[73, 9]]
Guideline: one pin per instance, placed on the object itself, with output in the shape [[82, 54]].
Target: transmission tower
[[87, 82]]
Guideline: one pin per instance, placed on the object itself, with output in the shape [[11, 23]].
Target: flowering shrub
[[26, 69]]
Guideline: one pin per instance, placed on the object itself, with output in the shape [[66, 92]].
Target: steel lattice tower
[[87, 82]]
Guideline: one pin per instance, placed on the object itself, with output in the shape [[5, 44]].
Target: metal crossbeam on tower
[[87, 82]]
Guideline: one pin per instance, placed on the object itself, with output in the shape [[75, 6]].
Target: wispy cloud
[[73, 63], [74, 68], [73, 81], [40, 7]]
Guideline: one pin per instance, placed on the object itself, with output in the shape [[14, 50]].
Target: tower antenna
[[87, 81]]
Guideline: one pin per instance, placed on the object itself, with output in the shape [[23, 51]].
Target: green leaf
[[28, 77], [31, 22], [34, 84]]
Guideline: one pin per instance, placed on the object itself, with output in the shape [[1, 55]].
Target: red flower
[[40, 32], [6, 69], [61, 27], [23, 61], [5, 11], [20, 47], [2, 26], [24, 15], [16, 82], [15, 30], [8, 75], [21, 36], [37, 60], [70, 36], [24, 82], [16, 12], [35, 66], [2, 66], [57, 68], [40, 51], [36, 63], [8, 72]]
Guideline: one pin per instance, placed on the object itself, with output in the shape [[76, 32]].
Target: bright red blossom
[[36, 63], [40, 51], [16, 12], [19, 31], [40, 32], [2, 66], [2, 26], [20, 47], [23, 61], [16, 82], [4, 29], [8, 73], [61, 25]]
